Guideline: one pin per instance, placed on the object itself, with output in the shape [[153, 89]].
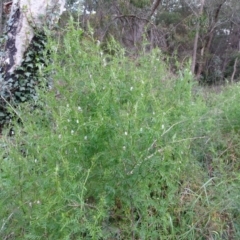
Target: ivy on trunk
[[24, 55]]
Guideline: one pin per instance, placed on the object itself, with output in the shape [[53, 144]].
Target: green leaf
[[27, 74]]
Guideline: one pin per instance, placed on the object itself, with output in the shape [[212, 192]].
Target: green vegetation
[[121, 149]]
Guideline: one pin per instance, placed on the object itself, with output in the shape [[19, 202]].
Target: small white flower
[[59, 136], [67, 105], [126, 133], [131, 88], [142, 95], [35, 160], [124, 148], [77, 121], [85, 138], [153, 113], [141, 129], [79, 109], [72, 132], [38, 202], [68, 120], [162, 126]]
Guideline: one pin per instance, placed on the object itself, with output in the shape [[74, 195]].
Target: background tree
[[174, 26], [129, 22]]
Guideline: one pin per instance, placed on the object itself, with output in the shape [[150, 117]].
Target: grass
[[120, 149]]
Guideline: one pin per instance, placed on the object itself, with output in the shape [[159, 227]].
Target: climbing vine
[[21, 85]]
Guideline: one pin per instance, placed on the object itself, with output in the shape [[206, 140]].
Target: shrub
[[111, 152]]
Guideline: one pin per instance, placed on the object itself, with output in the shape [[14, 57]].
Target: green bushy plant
[[109, 152]]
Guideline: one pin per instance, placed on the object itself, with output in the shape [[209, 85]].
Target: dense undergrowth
[[121, 149]]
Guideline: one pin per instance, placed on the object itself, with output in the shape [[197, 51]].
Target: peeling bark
[[26, 17]]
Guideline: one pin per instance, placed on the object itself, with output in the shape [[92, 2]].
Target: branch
[[154, 7], [218, 11], [131, 16]]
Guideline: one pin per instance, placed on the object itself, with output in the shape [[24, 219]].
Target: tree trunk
[[195, 46], [24, 49], [235, 64], [234, 69]]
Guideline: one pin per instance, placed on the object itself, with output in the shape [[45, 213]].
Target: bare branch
[[131, 16], [154, 7]]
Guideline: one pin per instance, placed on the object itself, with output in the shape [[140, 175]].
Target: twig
[[172, 127], [4, 222], [186, 139]]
